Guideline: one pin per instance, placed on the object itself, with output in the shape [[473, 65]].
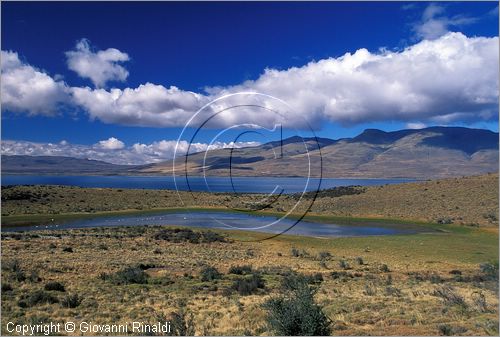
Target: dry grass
[[365, 300]]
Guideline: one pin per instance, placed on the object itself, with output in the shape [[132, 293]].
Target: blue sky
[[194, 46]]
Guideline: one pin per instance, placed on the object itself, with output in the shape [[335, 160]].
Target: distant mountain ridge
[[433, 152], [59, 165]]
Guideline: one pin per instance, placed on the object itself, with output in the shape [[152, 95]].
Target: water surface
[[226, 220], [211, 184]]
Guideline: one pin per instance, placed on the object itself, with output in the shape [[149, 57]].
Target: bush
[[210, 274], [178, 235], [435, 278], [294, 313], [295, 252], [480, 301], [15, 268], [12, 266], [370, 290], [130, 275], [449, 296], [37, 297], [360, 261], [6, 287], [448, 330], [293, 281], [384, 268], [71, 301], [324, 255], [248, 285], [344, 265], [55, 286], [490, 270], [240, 270], [182, 321]]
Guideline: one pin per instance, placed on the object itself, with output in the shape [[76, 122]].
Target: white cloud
[[111, 144], [435, 23], [100, 67], [451, 78], [146, 105], [137, 154], [27, 89], [416, 125]]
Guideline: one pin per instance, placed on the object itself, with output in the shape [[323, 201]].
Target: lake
[[210, 184], [232, 221]]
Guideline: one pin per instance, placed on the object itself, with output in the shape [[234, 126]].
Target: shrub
[[55, 286], [449, 296], [130, 275], [12, 266], [294, 313], [324, 255], [178, 235], [210, 274], [340, 275], [435, 278], [480, 301], [293, 281], [37, 297], [6, 287], [392, 291], [71, 301], [448, 330], [344, 265], [240, 270], [295, 252], [248, 285], [490, 270], [444, 221], [182, 321], [384, 268], [360, 261], [370, 290]]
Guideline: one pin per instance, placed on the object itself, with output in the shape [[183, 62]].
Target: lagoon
[[232, 221]]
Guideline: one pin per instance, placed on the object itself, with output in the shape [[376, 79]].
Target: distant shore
[[467, 201]]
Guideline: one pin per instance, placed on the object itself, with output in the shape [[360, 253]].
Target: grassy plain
[[421, 284], [359, 298]]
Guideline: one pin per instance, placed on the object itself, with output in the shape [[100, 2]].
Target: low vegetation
[[432, 284]]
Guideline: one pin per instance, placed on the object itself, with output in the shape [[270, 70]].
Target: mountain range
[[433, 152]]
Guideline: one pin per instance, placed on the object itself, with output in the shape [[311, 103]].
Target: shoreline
[[15, 221]]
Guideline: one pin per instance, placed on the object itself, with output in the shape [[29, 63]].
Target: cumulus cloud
[[111, 144], [136, 154], [451, 78], [100, 66], [415, 125], [146, 105], [27, 89], [434, 23]]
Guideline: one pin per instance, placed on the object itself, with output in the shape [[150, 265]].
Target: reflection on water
[[223, 220]]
